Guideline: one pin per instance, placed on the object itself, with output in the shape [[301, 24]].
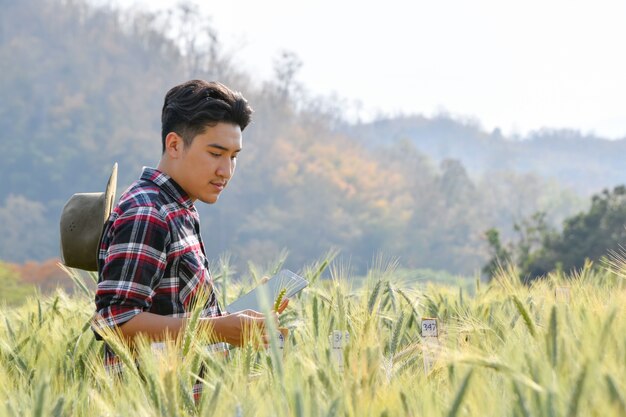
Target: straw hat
[[82, 221]]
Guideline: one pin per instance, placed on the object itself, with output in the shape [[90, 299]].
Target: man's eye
[[217, 155], [233, 157]]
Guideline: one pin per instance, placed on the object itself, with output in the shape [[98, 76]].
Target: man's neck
[[165, 167]]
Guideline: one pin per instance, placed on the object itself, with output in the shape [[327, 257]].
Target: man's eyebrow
[[223, 148]]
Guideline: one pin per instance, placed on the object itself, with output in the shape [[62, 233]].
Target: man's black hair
[[192, 106]]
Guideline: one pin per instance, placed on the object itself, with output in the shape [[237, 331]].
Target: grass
[[505, 350]]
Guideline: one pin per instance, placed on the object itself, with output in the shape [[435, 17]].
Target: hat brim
[[109, 193]]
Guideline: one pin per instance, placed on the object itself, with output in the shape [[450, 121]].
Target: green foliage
[[500, 255], [591, 235], [587, 236], [13, 290], [488, 362]]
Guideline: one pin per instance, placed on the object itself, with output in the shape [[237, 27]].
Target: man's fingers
[[256, 322]]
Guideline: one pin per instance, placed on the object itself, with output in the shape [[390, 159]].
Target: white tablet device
[[285, 279]]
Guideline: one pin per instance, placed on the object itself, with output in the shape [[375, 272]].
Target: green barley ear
[[616, 396], [57, 411], [373, 297], [458, 399], [40, 399], [396, 336], [520, 398], [279, 299], [525, 315], [316, 319], [578, 389]]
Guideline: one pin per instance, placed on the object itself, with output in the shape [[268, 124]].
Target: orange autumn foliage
[[46, 275]]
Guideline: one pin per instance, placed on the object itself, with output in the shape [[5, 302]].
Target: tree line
[[597, 234]]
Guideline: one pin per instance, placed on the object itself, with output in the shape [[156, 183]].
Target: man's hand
[[242, 326], [239, 327]]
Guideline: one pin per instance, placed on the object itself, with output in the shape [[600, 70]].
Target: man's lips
[[218, 185]]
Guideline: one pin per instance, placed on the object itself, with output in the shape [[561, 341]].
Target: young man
[[152, 265]]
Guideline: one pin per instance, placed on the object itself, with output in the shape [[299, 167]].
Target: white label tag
[[338, 340], [429, 327], [430, 346]]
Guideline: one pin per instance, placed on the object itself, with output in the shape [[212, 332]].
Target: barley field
[[555, 348]]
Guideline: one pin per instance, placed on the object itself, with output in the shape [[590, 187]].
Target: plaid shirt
[[151, 254], [151, 257]]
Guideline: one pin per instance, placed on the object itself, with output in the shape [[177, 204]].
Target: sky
[[516, 65]]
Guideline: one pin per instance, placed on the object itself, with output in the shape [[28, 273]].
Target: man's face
[[205, 167]]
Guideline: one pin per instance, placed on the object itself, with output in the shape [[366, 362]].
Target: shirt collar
[[167, 184]]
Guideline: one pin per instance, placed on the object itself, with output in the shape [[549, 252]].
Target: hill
[[82, 88], [585, 163]]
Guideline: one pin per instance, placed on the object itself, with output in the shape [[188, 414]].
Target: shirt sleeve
[[133, 266]]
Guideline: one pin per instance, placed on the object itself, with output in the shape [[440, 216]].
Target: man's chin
[[210, 199]]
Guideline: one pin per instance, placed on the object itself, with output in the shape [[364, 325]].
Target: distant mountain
[[585, 163]]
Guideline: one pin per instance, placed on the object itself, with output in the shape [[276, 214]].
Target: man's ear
[[174, 145]]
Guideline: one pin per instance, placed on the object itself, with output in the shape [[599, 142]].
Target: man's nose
[[225, 168]]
